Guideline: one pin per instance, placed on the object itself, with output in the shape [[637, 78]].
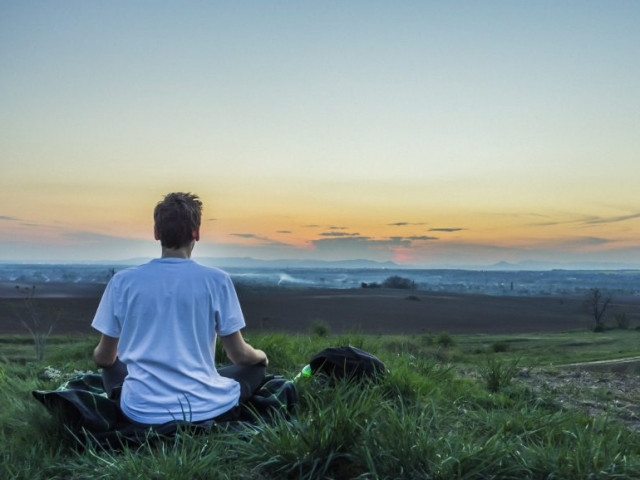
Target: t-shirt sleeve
[[229, 318], [106, 319]]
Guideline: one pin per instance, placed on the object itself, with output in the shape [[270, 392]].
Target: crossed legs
[[249, 377]]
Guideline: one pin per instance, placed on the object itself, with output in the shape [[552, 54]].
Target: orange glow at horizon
[[446, 134]]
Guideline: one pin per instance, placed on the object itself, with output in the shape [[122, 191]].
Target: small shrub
[[622, 320], [441, 356], [38, 321], [413, 298], [498, 347], [320, 328], [426, 339], [497, 374], [444, 340]]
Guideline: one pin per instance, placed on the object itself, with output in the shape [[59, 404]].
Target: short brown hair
[[176, 217]]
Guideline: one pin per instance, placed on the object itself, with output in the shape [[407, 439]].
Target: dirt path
[[619, 365], [609, 388]]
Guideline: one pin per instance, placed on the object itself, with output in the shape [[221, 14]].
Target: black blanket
[[90, 416]]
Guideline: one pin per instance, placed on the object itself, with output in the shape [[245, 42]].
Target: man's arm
[[106, 352], [240, 352]]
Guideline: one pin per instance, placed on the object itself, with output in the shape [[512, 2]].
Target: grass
[[425, 419]]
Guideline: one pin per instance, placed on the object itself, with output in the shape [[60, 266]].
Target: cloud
[[414, 237], [353, 244], [455, 229], [8, 218], [211, 219], [263, 240], [284, 231], [560, 222], [336, 248], [247, 235], [567, 245], [621, 218], [86, 238], [578, 242], [362, 241], [421, 237], [339, 234], [403, 224], [330, 227], [590, 220]]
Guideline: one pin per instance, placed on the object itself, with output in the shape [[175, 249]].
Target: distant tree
[[399, 282], [110, 273], [597, 303]]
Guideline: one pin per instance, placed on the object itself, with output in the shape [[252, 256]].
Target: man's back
[[166, 314]]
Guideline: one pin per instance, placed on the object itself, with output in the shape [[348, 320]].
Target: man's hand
[[264, 362], [240, 352]]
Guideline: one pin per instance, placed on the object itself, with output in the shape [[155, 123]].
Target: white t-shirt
[[166, 314]]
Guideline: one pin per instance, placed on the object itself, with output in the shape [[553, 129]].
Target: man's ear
[[196, 234], [156, 235]]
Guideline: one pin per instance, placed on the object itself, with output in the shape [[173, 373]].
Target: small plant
[[320, 328], [445, 340], [498, 374], [35, 321], [264, 322], [499, 347], [622, 321]]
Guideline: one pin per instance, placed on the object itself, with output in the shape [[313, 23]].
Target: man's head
[[177, 219]]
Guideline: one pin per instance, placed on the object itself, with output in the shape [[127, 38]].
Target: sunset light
[[423, 133]]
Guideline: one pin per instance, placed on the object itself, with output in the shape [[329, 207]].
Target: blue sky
[[428, 132]]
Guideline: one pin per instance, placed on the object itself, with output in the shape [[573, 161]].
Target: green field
[[450, 407]]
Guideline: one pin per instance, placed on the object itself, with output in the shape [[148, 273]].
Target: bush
[[426, 339], [497, 374], [622, 320], [498, 347], [399, 282], [320, 328], [444, 340]]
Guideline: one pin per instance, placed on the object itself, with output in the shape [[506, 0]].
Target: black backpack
[[347, 362]]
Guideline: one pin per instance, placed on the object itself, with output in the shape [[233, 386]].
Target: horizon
[[419, 133], [251, 263]]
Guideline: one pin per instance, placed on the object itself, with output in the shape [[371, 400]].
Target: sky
[[425, 133]]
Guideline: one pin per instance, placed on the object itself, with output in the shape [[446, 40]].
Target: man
[[159, 323]]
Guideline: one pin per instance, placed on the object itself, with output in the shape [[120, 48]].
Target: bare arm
[[240, 352], [106, 352]]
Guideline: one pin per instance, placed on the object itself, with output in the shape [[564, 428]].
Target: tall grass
[[423, 420]]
